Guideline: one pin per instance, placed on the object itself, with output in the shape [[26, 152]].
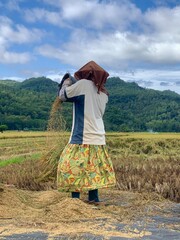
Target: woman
[[84, 163]]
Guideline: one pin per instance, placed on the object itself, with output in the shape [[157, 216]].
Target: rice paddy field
[[142, 161], [143, 205]]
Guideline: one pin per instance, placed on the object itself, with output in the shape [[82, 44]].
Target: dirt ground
[[54, 215]]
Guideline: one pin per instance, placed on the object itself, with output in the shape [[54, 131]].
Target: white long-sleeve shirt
[[88, 111]]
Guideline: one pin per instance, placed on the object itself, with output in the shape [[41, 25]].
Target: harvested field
[[143, 162], [141, 206]]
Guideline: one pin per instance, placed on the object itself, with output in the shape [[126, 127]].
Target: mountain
[[133, 108], [9, 82], [42, 84], [27, 104]]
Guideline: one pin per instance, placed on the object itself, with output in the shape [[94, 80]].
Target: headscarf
[[92, 71]]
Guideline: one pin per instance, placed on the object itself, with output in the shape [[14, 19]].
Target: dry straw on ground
[[55, 213]]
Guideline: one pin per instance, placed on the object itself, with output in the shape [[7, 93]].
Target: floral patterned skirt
[[84, 167]]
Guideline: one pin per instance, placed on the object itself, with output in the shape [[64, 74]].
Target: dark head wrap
[[92, 71]]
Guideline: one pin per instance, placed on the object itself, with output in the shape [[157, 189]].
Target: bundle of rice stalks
[[56, 121], [48, 165], [49, 161]]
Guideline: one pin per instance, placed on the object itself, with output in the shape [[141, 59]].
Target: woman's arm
[[66, 81], [65, 84]]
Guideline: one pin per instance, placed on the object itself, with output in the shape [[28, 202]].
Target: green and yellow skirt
[[84, 167]]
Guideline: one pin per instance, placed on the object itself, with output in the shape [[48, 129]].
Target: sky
[[136, 40]]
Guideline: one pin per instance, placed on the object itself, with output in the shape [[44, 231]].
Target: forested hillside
[[133, 108], [26, 105]]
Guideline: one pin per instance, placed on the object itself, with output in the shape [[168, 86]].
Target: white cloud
[[155, 74], [156, 79], [38, 14], [100, 15], [12, 78], [159, 43], [163, 23], [13, 57], [114, 33], [117, 43], [165, 2], [116, 49], [15, 34], [12, 5], [87, 13], [55, 77]]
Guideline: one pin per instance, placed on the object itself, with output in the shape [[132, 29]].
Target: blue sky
[[137, 40]]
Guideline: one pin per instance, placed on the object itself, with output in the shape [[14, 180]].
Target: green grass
[[19, 159]]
